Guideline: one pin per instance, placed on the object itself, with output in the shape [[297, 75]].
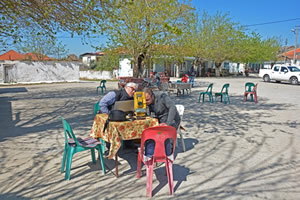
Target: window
[[276, 68], [283, 69]]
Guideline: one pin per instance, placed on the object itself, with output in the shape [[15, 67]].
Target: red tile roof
[[13, 55], [31, 56], [291, 53]]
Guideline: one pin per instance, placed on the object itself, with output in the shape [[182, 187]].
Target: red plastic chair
[[251, 93], [159, 134]]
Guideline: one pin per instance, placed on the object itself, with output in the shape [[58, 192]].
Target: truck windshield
[[294, 69]]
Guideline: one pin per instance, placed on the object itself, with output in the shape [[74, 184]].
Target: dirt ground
[[241, 150]]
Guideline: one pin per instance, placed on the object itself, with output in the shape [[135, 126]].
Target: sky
[[269, 18]]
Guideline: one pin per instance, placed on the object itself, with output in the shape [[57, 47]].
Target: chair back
[[102, 83], [209, 88], [180, 109], [225, 87], [159, 134], [68, 132], [249, 86], [96, 108]]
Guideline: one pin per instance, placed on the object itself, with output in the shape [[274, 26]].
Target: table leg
[[116, 164]]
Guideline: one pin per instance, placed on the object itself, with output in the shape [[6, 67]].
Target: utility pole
[[285, 49], [296, 30]]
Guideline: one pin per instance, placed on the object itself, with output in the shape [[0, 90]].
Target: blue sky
[[245, 12]]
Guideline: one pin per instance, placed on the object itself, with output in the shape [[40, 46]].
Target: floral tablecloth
[[116, 131]]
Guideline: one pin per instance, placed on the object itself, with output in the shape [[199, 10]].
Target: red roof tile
[[12, 55]]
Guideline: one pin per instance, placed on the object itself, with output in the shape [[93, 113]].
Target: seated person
[[107, 102], [165, 110], [184, 79]]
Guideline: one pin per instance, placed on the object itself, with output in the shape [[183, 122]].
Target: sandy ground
[[238, 151]]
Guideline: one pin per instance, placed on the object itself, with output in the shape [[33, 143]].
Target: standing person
[[192, 74], [166, 113], [108, 101], [157, 77]]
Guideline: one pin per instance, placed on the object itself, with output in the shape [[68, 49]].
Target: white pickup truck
[[281, 73]]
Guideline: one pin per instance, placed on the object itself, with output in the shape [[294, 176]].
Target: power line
[[287, 20]]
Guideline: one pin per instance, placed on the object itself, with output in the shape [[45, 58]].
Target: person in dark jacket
[[165, 111], [192, 74], [108, 101]]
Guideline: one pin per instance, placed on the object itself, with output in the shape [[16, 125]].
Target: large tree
[[41, 45], [74, 16], [144, 27]]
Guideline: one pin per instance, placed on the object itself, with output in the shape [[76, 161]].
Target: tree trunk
[[135, 68], [218, 68]]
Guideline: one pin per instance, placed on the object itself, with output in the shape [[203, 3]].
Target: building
[[13, 56], [88, 58]]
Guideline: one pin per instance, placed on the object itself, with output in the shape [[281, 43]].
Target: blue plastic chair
[[208, 93], [102, 86], [74, 145], [223, 94]]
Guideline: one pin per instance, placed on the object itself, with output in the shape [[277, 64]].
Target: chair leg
[[252, 97], [149, 172], [255, 97], [93, 156], [139, 166], [228, 99], [102, 90], [101, 160], [169, 168], [62, 169], [69, 163], [116, 165], [245, 97], [225, 101], [182, 141]]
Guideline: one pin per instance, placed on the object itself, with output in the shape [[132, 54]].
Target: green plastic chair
[[248, 88], [208, 93], [96, 109], [223, 94], [102, 86], [75, 144]]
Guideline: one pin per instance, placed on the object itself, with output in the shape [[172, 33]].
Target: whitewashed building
[[38, 72]]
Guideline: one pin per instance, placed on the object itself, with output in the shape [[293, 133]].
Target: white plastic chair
[[180, 109]]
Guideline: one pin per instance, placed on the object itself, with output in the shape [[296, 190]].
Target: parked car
[[281, 73]]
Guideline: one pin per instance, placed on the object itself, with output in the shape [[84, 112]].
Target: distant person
[[185, 78], [108, 101], [157, 77], [192, 74], [166, 113]]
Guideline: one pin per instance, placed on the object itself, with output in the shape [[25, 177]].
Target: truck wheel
[[294, 80], [266, 78]]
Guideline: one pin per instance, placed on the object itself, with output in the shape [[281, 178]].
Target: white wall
[[96, 74], [88, 58], [37, 72], [125, 68]]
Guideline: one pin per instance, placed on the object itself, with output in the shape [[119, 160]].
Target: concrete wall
[[89, 74], [37, 72]]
